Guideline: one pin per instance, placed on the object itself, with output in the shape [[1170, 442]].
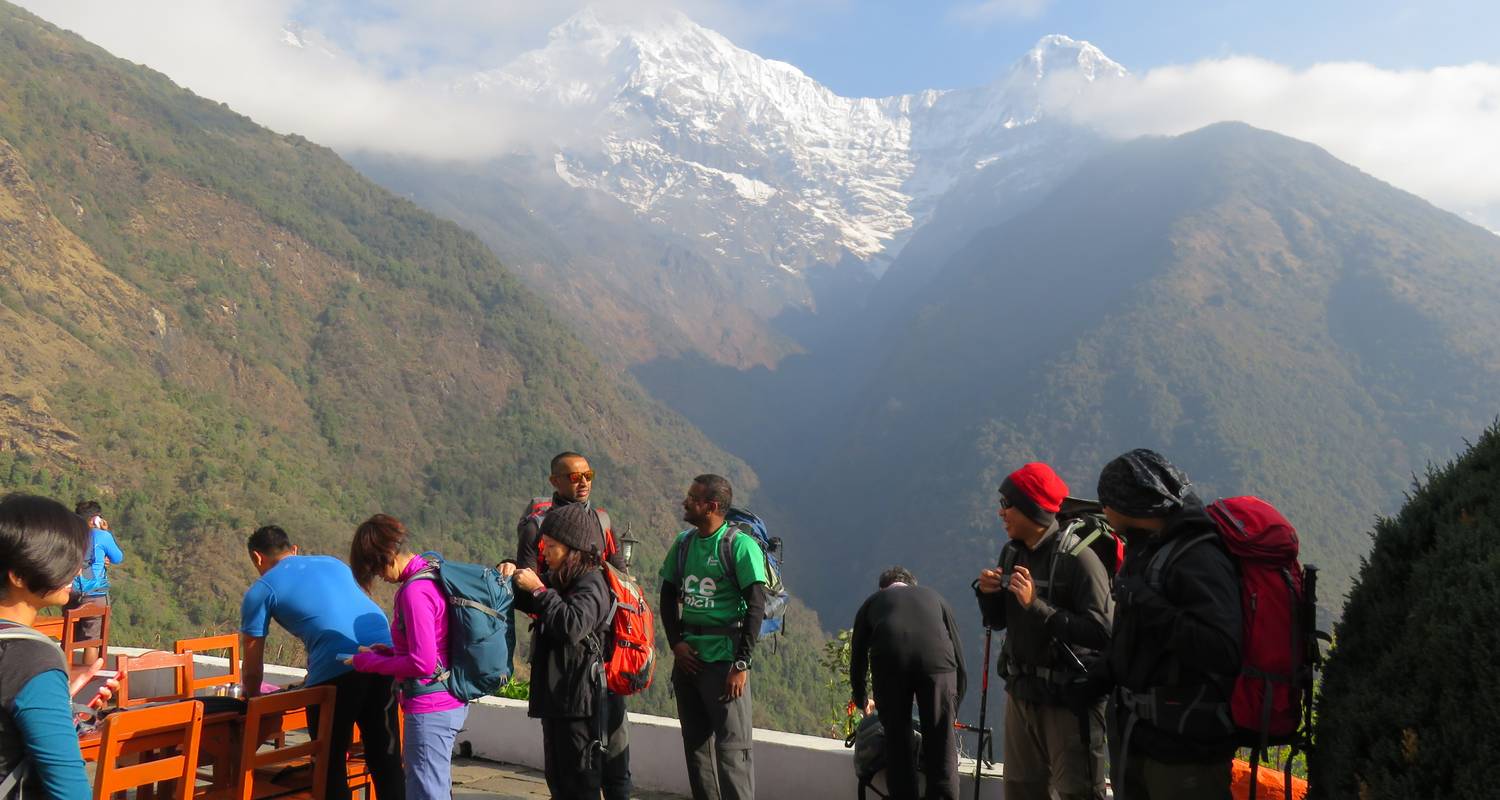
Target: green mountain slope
[[210, 326], [1274, 320]]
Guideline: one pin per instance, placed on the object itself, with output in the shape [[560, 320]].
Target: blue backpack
[[478, 659], [746, 523]]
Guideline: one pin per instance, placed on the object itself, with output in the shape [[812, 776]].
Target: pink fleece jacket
[[419, 644]]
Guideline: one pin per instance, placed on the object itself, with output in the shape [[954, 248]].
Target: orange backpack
[[632, 664]]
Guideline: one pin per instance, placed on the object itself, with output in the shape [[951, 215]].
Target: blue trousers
[[428, 753]]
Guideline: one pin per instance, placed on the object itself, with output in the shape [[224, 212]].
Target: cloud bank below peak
[[1435, 133]]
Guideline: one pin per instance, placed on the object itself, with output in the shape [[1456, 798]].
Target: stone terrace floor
[[476, 779]]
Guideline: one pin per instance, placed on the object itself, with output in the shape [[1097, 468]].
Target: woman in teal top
[[41, 551]]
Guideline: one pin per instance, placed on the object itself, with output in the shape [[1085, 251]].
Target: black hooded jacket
[[568, 644], [1185, 637]]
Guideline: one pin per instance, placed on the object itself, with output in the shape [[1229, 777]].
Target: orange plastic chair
[[172, 755], [261, 718], [206, 644], [181, 662], [72, 617]]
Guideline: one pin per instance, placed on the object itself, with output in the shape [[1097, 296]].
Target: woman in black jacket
[[571, 603]]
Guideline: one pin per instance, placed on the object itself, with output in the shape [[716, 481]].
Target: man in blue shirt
[[316, 600], [91, 587]]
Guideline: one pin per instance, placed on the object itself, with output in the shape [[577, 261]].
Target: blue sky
[[885, 47]]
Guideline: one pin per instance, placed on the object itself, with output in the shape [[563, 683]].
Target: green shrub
[[1411, 695]]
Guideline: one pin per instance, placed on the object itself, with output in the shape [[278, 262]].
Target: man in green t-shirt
[[712, 615]]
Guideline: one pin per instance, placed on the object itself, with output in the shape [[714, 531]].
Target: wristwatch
[[742, 666]]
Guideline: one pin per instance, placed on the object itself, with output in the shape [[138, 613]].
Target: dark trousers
[[568, 758], [936, 696], [1149, 779], [616, 778], [368, 701], [716, 735]]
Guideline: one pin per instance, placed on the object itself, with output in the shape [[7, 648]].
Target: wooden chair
[[261, 718], [358, 768], [71, 619], [183, 677], [172, 754], [205, 644]]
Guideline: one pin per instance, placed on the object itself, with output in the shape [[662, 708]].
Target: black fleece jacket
[[902, 630], [568, 645], [1185, 637], [1071, 604]]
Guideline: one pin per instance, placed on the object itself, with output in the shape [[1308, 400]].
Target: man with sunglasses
[[572, 482], [1051, 593]]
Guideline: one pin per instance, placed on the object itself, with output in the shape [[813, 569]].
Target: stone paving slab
[[476, 779]]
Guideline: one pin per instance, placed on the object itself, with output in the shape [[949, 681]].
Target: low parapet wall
[[787, 765]]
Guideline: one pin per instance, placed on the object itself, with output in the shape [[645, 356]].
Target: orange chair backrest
[[182, 663], [262, 723], [173, 729], [70, 627], [209, 644]]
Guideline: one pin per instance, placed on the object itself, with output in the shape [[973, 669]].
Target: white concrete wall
[[788, 766]]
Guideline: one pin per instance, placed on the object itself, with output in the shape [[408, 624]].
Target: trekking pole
[[984, 705]]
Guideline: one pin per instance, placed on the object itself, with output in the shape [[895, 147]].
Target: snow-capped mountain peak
[[1057, 53], [712, 142]]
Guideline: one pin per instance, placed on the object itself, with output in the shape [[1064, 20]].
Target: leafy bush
[[1411, 694]]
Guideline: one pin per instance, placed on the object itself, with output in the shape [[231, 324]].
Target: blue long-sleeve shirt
[[44, 713], [103, 550]]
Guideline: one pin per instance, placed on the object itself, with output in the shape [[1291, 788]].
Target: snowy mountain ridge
[[711, 142]]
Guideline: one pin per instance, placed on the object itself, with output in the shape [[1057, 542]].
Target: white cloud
[[381, 75], [988, 12], [1432, 132]]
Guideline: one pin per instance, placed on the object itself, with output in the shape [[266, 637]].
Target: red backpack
[[633, 663], [537, 509], [1272, 699]]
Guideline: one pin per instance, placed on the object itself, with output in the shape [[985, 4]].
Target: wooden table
[[218, 743], [52, 626]]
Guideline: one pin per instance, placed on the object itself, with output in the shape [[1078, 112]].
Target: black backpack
[[1084, 521], [868, 741]]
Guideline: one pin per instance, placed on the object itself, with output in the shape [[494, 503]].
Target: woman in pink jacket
[[419, 636]]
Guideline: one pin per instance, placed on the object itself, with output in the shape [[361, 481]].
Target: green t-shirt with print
[[709, 596]]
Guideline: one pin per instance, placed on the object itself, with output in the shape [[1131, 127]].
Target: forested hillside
[[1274, 320], [209, 326]]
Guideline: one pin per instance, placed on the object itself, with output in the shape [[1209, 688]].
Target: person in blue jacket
[[92, 584], [41, 549]]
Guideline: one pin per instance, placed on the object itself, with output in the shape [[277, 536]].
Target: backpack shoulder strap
[[726, 555], [607, 527], [682, 552], [1167, 556]]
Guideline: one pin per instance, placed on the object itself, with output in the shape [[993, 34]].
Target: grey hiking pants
[[716, 735], [1045, 752]]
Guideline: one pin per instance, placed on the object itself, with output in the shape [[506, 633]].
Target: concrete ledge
[[787, 765]]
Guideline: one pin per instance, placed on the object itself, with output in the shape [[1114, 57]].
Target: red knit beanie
[[1038, 484]]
